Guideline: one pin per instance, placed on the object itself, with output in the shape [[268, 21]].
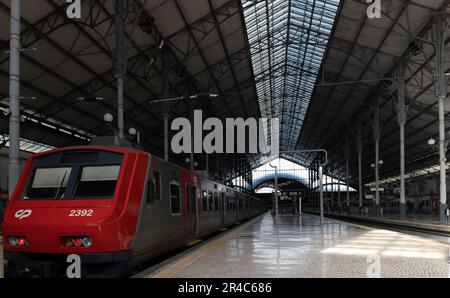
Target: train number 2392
[[81, 212]]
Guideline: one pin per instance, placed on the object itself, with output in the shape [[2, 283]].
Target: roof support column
[[332, 194], [401, 117], [276, 188], [359, 150], [321, 193], [339, 196], [440, 27], [326, 184], [121, 60], [376, 138], [165, 95], [191, 156], [347, 157], [14, 103]]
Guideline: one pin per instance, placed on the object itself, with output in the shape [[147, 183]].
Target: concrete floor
[[288, 246]]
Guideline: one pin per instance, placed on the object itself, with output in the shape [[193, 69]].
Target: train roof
[[117, 149]]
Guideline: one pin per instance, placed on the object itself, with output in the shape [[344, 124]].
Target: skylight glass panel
[[295, 47], [27, 145]]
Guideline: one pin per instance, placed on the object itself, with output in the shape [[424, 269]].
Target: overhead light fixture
[[132, 131], [108, 117], [431, 141]]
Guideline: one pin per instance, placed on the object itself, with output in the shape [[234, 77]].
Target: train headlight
[[76, 241], [17, 241], [87, 242], [12, 241]]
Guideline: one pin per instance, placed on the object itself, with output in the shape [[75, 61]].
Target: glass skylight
[[287, 39], [27, 145]]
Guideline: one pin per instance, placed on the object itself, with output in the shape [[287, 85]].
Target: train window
[[97, 182], [216, 201], [175, 201], [210, 201], [48, 183], [157, 184], [205, 201], [150, 191]]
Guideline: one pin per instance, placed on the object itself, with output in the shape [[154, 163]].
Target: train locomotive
[[114, 207]]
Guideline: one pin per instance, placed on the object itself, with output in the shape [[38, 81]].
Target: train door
[[191, 192]]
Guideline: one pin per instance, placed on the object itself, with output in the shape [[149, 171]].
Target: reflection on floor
[[290, 246], [415, 218]]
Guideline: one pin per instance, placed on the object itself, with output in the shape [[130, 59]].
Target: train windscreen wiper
[[60, 186]]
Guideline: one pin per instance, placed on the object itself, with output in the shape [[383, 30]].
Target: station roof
[[65, 60], [316, 65], [365, 60]]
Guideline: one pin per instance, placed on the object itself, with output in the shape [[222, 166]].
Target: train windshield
[[97, 182], [93, 182], [74, 175], [49, 183]]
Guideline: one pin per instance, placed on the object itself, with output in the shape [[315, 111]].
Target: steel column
[[332, 194], [339, 196], [359, 150], [321, 193], [440, 28], [14, 95], [276, 190], [376, 137], [347, 157], [166, 136], [121, 60], [401, 115], [165, 94]]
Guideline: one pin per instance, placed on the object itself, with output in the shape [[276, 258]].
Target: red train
[[115, 207]]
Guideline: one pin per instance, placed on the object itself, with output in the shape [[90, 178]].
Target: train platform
[[424, 222], [298, 246]]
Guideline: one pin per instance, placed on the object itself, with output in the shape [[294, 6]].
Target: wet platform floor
[[298, 246], [429, 219]]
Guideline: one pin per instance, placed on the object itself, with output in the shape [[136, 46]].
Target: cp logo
[[22, 213]]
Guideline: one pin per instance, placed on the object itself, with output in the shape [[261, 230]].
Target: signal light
[[17, 241], [76, 241]]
